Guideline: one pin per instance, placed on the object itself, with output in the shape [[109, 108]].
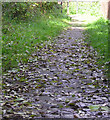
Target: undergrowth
[[20, 37], [97, 36]]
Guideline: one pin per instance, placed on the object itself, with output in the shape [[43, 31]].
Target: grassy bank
[[97, 36], [22, 36]]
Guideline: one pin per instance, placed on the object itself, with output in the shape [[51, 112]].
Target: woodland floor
[[60, 80]]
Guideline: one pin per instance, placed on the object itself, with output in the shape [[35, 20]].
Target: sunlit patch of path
[[60, 80]]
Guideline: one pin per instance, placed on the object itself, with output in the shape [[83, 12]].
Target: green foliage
[[98, 107], [21, 36], [90, 8], [24, 10], [15, 10], [94, 107], [50, 6], [98, 38]]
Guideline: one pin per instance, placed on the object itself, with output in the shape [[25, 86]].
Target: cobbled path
[[60, 80]]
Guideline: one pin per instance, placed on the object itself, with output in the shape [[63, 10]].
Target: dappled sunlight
[[61, 79], [50, 62], [98, 38]]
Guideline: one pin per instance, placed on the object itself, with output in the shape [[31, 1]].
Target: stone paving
[[60, 80]]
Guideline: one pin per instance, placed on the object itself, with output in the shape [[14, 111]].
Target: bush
[[22, 32], [14, 10], [23, 10]]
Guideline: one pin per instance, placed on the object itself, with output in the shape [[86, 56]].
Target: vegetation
[[25, 25], [92, 8], [57, 76], [97, 28], [98, 38]]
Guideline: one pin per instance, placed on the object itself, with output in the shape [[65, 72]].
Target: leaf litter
[[60, 80]]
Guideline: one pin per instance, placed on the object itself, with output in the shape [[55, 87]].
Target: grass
[[97, 36], [97, 31], [97, 27], [20, 38]]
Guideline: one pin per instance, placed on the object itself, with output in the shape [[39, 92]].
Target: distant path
[[61, 80]]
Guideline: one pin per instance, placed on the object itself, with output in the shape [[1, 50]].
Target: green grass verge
[[97, 36], [20, 38]]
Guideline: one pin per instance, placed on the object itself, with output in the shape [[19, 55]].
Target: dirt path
[[61, 80]]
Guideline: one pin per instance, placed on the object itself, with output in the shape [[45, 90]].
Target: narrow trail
[[60, 80]]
